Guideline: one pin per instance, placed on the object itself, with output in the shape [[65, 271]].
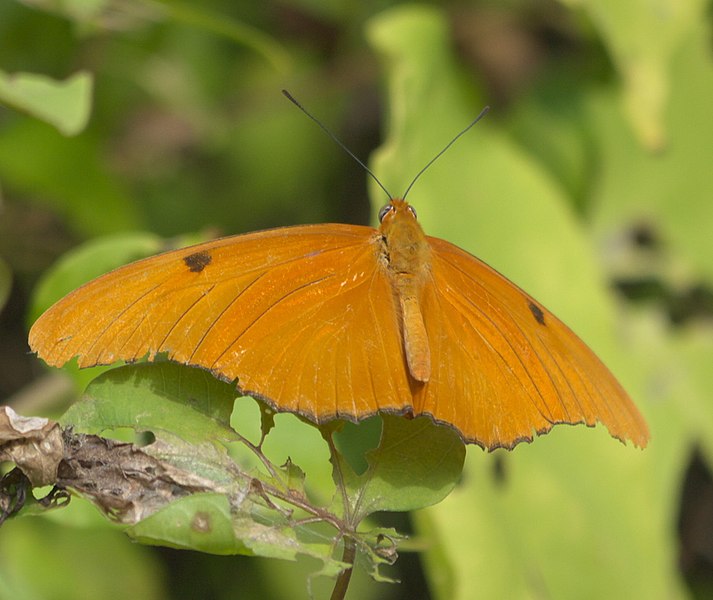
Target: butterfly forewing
[[302, 317]]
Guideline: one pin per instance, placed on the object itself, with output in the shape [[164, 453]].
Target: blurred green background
[[589, 184]]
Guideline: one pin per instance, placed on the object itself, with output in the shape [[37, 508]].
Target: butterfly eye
[[384, 211], [413, 211]]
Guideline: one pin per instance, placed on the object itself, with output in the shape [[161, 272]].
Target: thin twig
[[297, 500], [334, 453], [257, 451]]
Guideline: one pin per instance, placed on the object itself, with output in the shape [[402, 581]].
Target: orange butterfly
[[344, 321]]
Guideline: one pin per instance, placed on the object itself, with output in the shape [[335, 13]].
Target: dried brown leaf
[[34, 444]]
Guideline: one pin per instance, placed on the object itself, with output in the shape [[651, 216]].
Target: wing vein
[[121, 313], [265, 312], [549, 417]]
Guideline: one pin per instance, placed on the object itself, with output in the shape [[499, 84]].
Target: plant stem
[[257, 451], [348, 556], [336, 462]]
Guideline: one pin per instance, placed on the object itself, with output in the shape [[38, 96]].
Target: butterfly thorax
[[406, 250], [407, 257]]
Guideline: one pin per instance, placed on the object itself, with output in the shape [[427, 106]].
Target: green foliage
[[643, 43], [242, 33], [591, 138], [561, 491], [42, 558], [93, 203], [257, 510], [62, 104], [415, 465]]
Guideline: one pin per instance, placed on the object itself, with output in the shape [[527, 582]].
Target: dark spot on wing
[[198, 261], [536, 312]]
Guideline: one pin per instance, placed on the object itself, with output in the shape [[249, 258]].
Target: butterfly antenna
[[336, 139], [448, 145]]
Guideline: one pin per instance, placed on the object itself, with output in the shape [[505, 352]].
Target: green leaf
[[643, 39], [668, 192], [416, 464], [294, 476], [201, 522], [159, 397], [187, 409], [189, 413], [64, 104]]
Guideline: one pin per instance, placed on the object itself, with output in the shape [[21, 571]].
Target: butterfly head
[[396, 210], [400, 227]]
